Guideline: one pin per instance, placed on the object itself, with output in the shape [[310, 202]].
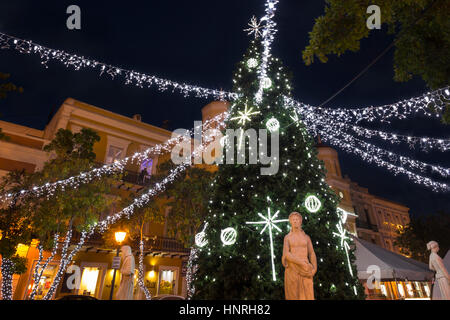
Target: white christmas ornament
[[252, 63], [313, 204], [266, 83], [228, 236], [200, 238], [273, 125]]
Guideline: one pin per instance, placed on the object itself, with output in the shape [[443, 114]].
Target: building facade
[[371, 218]]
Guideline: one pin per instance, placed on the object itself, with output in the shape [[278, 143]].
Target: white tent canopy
[[392, 266]]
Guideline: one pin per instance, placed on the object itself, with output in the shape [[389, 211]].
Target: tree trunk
[[7, 277], [65, 260], [37, 277], [141, 282]]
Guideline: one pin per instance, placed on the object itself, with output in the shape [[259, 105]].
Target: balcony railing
[[156, 243], [132, 176]]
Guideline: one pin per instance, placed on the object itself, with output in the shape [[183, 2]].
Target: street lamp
[[120, 236]]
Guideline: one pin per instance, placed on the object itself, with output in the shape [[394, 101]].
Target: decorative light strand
[[403, 160], [130, 77], [108, 169], [103, 225], [420, 105], [7, 277], [398, 110], [148, 295], [268, 35], [423, 143], [330, 133], [38, 275], [191, 270]]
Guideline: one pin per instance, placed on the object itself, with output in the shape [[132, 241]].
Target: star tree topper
[[255, 27]]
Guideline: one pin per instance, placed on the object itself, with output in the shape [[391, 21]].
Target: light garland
[[38, 275], [399, 110], [108, 169], [147, 293], [330, 132], [130, 77], [191, 270], [268, 35], [103, 225], [7, 277], [269, 223]]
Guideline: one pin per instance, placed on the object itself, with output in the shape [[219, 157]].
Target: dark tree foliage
[[413, 239], [239, 192]]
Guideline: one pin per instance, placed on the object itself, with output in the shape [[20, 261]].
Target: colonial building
[[371, 218]]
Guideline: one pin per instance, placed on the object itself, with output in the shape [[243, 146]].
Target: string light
[[7, 274], [108, 169], [147, 293], [268, 35], [130, 77], [420, 105]]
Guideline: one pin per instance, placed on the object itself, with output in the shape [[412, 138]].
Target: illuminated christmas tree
[[240, 248]]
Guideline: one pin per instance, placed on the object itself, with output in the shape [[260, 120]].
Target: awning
[[392, 266]]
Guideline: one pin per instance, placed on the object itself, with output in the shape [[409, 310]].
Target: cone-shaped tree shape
[[242, 194]]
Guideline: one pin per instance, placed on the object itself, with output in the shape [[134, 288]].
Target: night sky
[[200, 42]]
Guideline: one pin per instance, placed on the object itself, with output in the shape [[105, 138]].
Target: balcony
[[155, 245], [131, 176], [136, 178]]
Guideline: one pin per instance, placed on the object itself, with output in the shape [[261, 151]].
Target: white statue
[[442, 279], [125, 291]]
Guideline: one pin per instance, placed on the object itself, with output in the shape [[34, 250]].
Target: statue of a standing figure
[[442, 278], [299, 261], [125, 291]]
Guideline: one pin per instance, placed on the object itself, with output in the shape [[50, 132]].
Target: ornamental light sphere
[[228, 236], [266, 83], [313, 204], [252, 63], [273, 125], [200, 239]]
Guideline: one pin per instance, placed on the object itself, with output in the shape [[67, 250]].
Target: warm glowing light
[[89, 280], [400, 289], [120, 236], [151, 274]]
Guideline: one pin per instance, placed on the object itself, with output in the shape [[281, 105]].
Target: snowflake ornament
[[255, 28]]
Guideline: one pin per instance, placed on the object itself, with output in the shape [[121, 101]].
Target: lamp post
[[120, 236]]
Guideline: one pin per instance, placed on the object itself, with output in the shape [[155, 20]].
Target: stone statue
[[299, 261], [125, 291], [442, 279]]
